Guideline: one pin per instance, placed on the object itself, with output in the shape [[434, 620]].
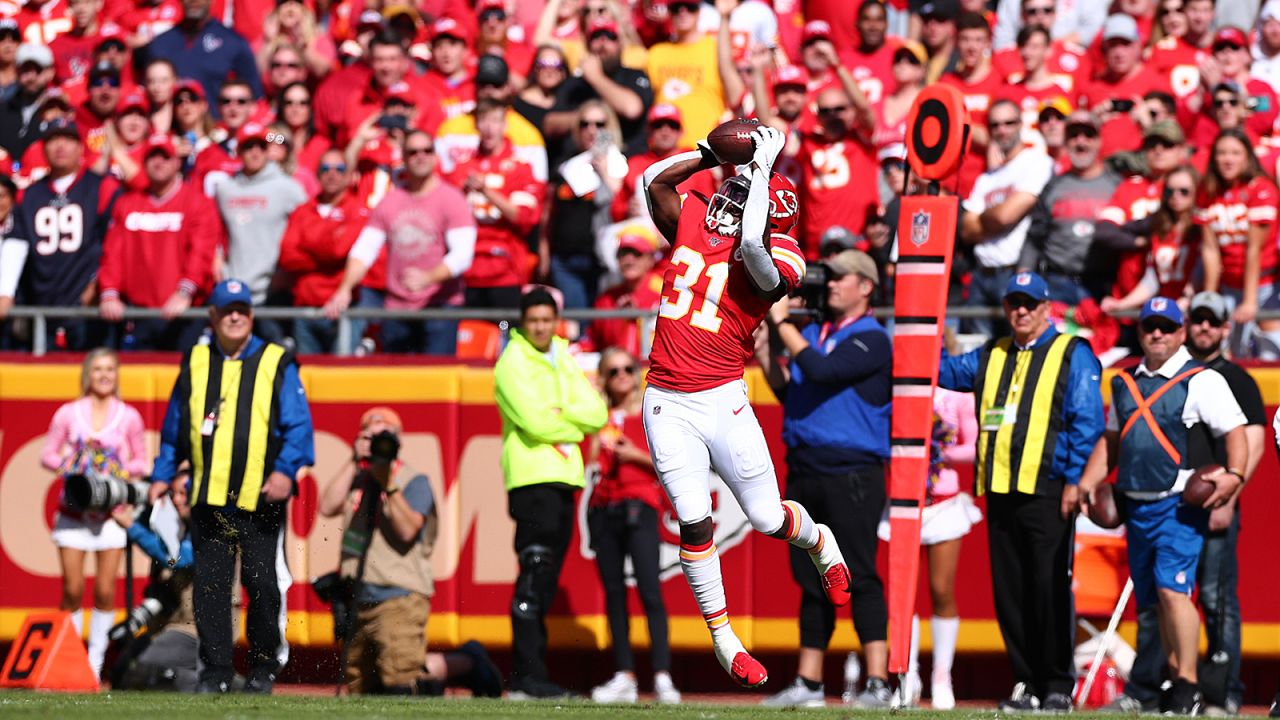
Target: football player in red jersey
[[732, 257]]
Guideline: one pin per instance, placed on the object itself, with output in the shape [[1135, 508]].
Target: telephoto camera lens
[[96, 492], [384, 447]]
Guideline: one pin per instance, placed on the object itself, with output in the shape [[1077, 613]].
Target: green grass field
[[167, 706]]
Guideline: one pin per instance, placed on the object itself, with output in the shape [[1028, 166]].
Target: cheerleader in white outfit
[[102, 431]]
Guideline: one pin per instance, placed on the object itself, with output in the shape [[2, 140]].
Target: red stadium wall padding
[[453, 434]]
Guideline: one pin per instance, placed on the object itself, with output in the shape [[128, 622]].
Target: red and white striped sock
[[798, 528]]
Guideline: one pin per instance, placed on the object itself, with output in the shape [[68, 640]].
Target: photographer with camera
[[835, 393], [158, 649], [389, 522], [100, 436]]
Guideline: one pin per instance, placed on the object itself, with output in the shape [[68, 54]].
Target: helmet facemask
[[724, 214]]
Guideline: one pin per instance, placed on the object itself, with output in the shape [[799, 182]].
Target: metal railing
[[40, 316]]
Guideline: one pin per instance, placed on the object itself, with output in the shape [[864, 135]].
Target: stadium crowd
[[365, 153]]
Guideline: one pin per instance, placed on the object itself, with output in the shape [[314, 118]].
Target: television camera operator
[[389, 526], [835, 392]]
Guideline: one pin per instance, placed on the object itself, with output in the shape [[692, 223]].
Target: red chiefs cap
[[368, 20], [448, 27], [815, 30], [133, 100], [251, 131], [162, 143], [191, 86], [602, 24], [791, 75], [665, 112], [1230, 36], [485, 6], [400, 92]]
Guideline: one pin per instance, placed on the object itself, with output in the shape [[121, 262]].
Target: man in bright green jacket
[[548, 406]]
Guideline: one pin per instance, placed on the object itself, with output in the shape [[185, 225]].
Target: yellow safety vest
[[231, 417], [1020, 395]]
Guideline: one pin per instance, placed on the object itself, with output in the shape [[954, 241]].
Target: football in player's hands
[[768, 143], [733, 142]]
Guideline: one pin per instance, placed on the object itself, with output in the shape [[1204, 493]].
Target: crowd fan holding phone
[[342, 154]]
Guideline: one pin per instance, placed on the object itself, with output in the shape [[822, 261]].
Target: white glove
[[768, 143]]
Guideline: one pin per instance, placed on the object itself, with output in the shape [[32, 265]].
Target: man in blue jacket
[[1039, 401], [205, 50], [238, 414], [835, 396]]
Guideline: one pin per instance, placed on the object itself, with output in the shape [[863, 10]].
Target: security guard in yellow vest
[[239, 416], [1039, 405]]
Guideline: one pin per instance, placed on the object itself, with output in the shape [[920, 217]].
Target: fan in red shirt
[[73, 50], [1228, 109], [620, 448], [665, 128], [498, 37], [146, 19], [315, 246], [110, 50], [1175, 245], [132, 125], [1120, 87], [733, 256], [1237, 210], [1231, 65], [978, 81], [840, 169], [93, 115], [159, 252], [892, 110], [389, 80], [786, 108], [1035, 86], [871, 59], [640, 288], [449, 77], [1067, 62], [506, 200], [1137, 197], [816, 59], [1172, 53]]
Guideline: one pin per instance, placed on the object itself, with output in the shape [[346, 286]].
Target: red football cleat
[[748, 671], [836, 582]]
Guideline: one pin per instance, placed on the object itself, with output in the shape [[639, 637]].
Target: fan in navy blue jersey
[[51, 256]]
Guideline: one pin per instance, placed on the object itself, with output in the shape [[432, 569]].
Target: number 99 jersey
[[709, 308], [63, 232]]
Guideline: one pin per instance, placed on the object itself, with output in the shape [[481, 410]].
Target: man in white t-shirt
[[1266, 46], [996, 215]]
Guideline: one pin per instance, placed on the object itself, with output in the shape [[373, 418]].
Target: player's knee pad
[[537, 568], [691, 499]]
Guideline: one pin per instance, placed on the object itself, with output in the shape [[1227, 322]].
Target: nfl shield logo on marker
[[920, 228]]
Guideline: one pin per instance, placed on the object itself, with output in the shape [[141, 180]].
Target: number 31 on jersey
[[685, 286]]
